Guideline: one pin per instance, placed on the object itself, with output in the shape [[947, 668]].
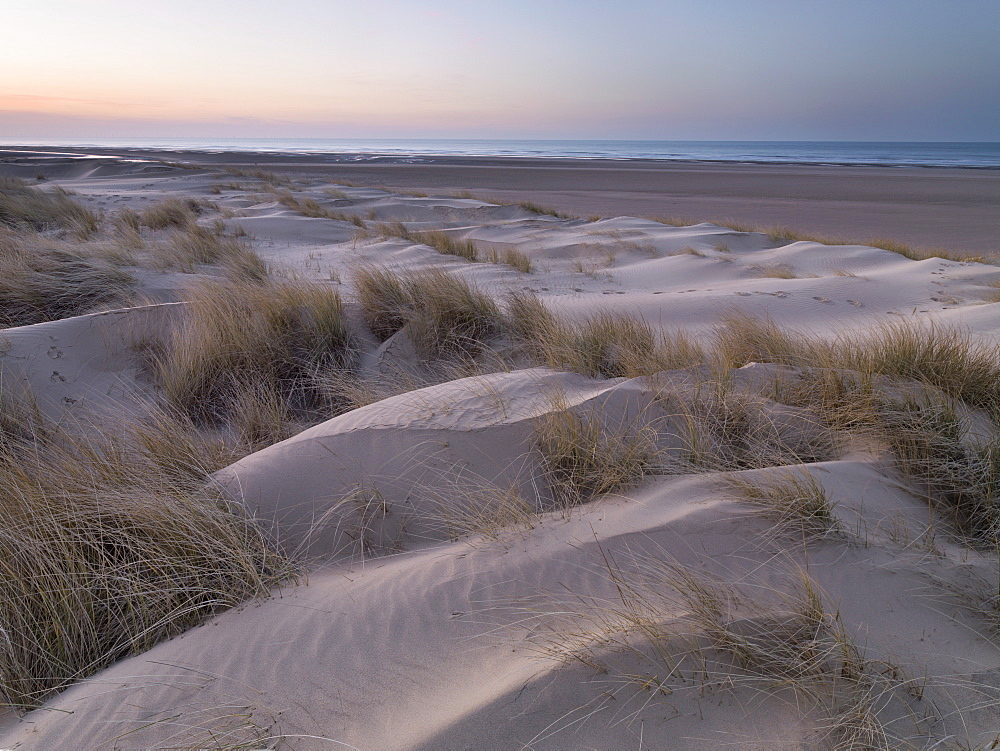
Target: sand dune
[[455, 599]]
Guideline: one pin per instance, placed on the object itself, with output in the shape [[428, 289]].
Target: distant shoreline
[[416, 157], [953, 208]]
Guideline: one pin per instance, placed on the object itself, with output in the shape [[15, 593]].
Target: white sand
[[441, 646]]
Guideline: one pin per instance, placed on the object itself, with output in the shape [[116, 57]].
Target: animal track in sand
[[856, 303], [823, 299]]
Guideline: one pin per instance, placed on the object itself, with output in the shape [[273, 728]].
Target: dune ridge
[[638, 485]]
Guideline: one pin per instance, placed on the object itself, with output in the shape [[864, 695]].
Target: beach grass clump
[[844, 400], [170, 212], [670, 629], [385, 298], [516, 259], [531, 324], [669, 220], [941, 356], [959, 476], [795, 499], [25, 207], [945, 357], [775, 271], [535, 208], [741, 339], [603, 345], [443, 315], [586, 455], [193, 244], [609, 345], [105, 550], [443, 242], [722, 430], [448, 244], [919, 254], [265, 176], [310, 207], [618, 345], [126, 231], [241, 346], [42, 279]]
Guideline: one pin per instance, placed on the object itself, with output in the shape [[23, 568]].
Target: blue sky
[[715, 69]]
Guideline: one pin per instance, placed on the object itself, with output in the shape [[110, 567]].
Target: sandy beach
[[418, 469], [925, 207]]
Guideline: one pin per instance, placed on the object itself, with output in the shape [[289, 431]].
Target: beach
[[314, 454], [924, 206]]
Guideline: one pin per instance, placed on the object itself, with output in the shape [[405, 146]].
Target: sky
[[882, 70]]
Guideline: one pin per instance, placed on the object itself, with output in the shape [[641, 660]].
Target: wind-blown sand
[[427, 636]]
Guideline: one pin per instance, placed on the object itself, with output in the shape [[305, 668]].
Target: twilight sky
[[631, 69]]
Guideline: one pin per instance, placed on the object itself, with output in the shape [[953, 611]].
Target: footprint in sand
[[54, 352], [742, 294], [822, 299], [856, 303]]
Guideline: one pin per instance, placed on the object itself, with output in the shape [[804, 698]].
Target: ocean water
[[886, 154]]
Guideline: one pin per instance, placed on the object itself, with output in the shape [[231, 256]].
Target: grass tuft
[[107, 547], [44, 280], [722, 431], [775, 271], [241, 348], [941, 356], [584, 456], [605, 345], [26, 207], [171, 212], [960, 477], [795, 499], [443, 315]]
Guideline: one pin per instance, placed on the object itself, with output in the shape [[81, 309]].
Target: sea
[[846, 153]]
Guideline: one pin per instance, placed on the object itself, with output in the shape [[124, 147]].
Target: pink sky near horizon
[[771, 69]]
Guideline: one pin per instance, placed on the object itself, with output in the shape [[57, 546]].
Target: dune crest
[[548, 482]]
